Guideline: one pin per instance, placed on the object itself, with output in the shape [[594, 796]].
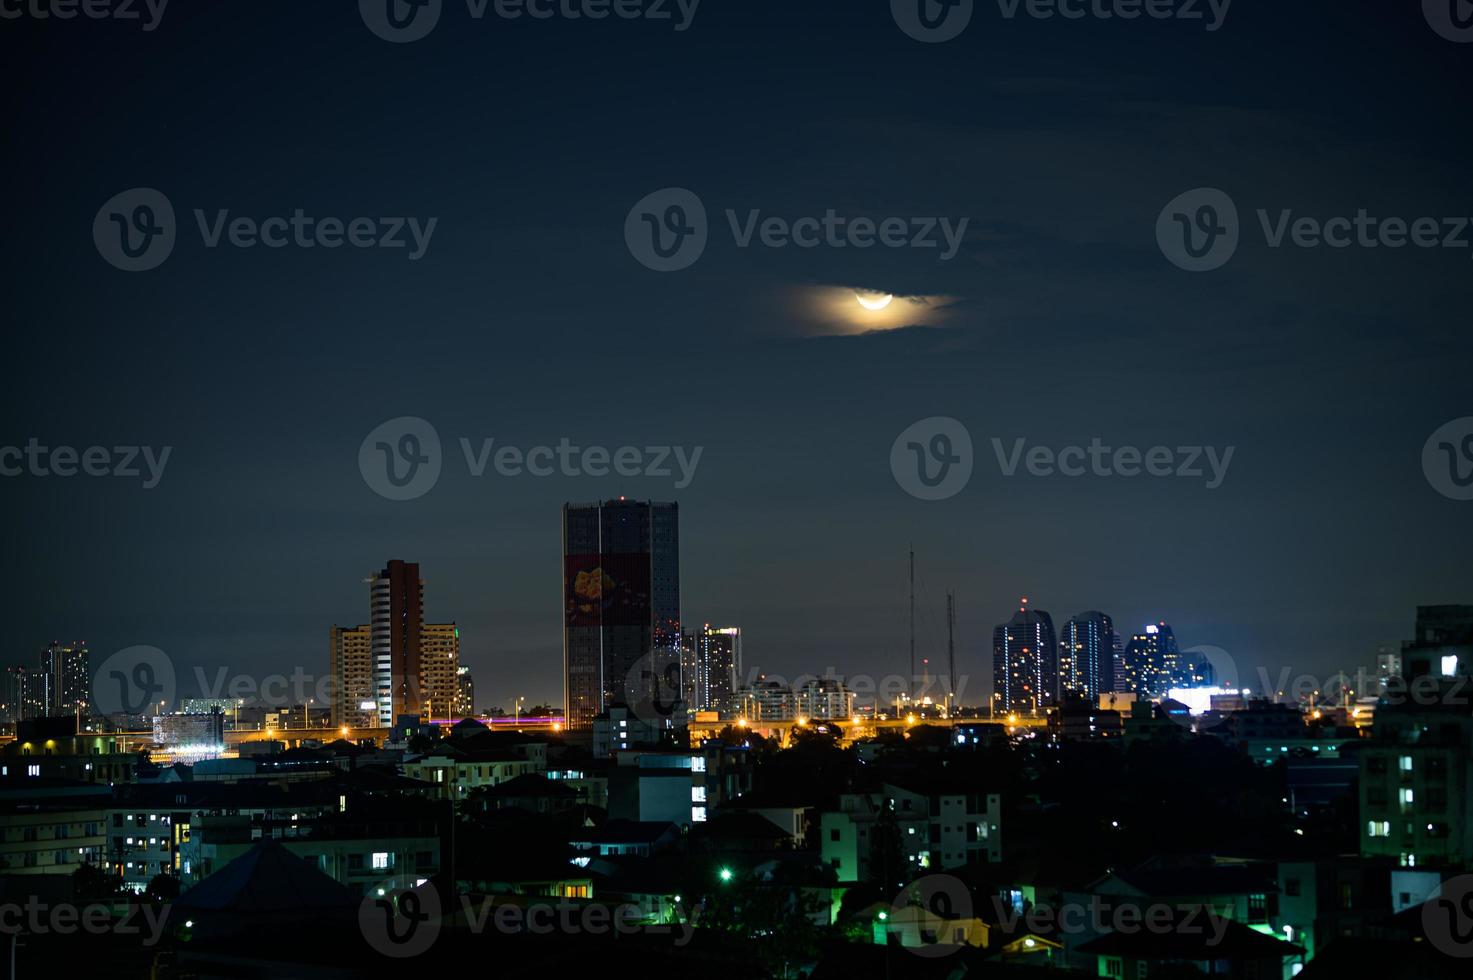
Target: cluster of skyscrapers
[[397, 665], [59, 684], [1035, 668]]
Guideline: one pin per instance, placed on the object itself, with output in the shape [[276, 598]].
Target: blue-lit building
[[1025, 663], [1087, 656], [1153, 662]]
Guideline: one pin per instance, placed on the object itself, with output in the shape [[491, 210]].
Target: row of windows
[[1382, 828]]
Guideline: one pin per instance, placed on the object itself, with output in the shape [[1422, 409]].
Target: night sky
[[527, 320]]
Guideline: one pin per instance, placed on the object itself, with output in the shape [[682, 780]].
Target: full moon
[[874, 301]]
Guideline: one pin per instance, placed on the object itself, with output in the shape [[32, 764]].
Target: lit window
[[1406, 763], [698, 794], [380, 860]]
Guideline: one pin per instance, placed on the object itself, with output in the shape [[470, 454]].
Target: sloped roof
[[627, 832], [267, 878], [1209, 880], [744, 824]]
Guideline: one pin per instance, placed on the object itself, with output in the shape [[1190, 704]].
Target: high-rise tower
[[1025, 663], [621, 601], [396, 605]]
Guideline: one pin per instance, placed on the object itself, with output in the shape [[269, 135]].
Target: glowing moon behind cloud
[[849, 310]]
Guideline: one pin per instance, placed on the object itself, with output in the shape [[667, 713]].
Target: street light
[[725, 875]]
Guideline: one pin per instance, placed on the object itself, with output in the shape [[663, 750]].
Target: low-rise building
[[1416, 785], [937, 829]]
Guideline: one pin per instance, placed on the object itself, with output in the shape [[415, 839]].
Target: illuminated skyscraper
[[1087, 656], [67, 679], [715, 666], [398, 664], [397, 607], [24, 695], [1025, 663], [354, 693], [621, 602], [465, 692], [1153, 663], [439, 667]]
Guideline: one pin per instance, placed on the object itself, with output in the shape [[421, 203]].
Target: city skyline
[[797, 528], [977, 665], [905, 488]]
